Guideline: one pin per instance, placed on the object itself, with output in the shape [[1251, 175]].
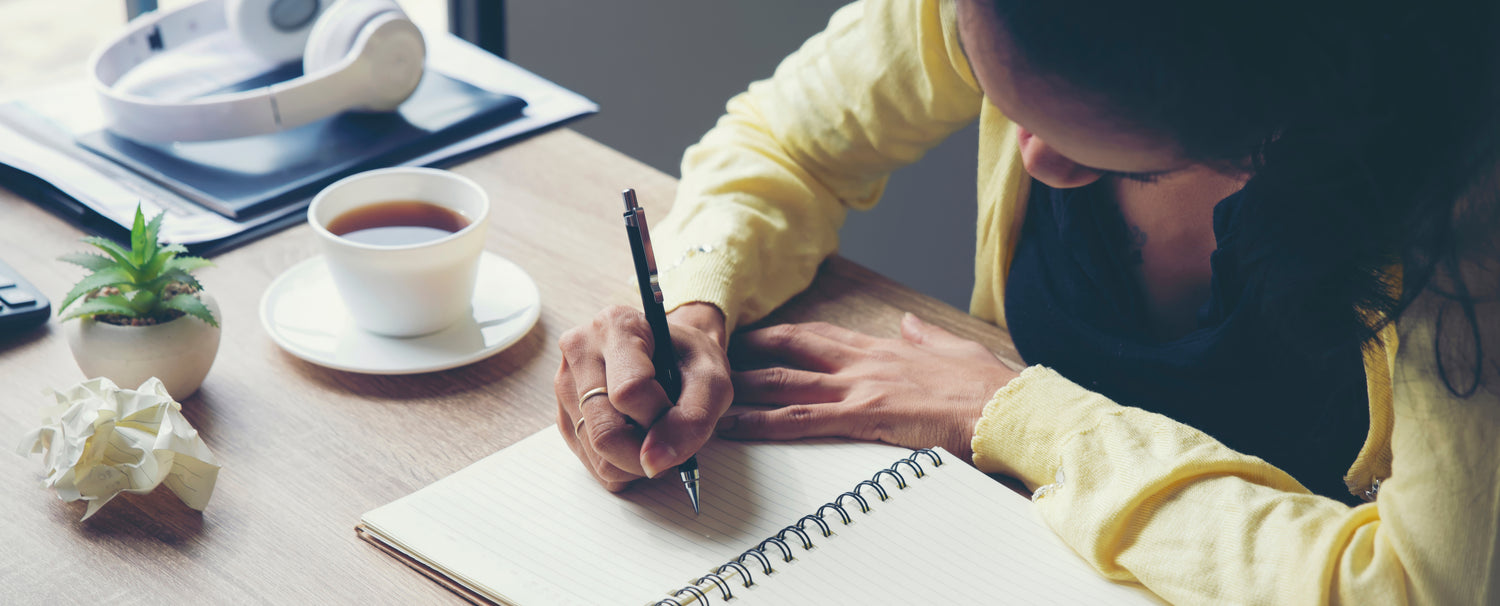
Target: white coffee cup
[[412, 289]]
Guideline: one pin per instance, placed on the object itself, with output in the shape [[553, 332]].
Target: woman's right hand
[[632, 430]]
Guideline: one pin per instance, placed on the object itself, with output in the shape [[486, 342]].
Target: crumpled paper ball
[[99, 440]]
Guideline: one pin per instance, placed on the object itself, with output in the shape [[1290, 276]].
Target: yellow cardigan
[[1141, 497]]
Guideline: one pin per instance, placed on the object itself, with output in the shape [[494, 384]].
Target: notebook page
[[528, 525], [952, 536]]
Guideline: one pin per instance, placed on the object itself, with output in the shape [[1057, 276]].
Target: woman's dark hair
[[1364, 124]]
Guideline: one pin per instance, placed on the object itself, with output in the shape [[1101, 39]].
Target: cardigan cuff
[[703, 274], [1027, 422]]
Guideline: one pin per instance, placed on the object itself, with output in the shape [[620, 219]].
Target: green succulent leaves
[[140, 274]]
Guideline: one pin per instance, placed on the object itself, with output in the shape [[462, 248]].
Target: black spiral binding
[[692, 589], [864, 506], [714, 578], [759, 554], [823, 526], [879, 490], [800, 529], [843, 515], [900, 481], [807, 543], [910, 461], [786, 551], [738, 567]]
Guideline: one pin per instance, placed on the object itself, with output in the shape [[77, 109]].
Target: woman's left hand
[[927, 388]]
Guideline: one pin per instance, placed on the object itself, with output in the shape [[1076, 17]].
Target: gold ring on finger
[[597, 391]]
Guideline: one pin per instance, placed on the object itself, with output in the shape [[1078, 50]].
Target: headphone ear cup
[[390, 51], [334, 36], [395, 56]]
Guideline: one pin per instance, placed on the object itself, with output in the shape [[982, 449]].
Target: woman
[[1273, 227]]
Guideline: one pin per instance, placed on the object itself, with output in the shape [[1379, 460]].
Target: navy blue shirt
[[1072, 303]]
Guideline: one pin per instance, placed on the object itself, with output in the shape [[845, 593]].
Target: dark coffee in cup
[[402, 245], [397, 223]]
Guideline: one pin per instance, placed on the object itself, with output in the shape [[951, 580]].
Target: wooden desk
[[306, 450]]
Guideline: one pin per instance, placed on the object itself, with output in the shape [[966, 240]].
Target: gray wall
[[662, 69]]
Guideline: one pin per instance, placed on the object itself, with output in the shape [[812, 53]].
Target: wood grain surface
[[306, 450]]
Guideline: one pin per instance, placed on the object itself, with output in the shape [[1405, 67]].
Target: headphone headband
[[255, 112], [153, 33]]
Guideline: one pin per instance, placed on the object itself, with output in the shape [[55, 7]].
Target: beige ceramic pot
[[179, 352]]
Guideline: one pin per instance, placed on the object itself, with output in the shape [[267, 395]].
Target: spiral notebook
[[809, 522]]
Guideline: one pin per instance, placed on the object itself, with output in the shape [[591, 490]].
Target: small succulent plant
[[148, 284]]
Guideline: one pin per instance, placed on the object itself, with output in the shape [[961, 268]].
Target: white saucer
[[303, 313]]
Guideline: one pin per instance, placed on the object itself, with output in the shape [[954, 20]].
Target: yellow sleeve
[[764, 193], [1146, 499]]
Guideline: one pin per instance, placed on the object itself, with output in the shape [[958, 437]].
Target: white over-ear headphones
[[356, 55]]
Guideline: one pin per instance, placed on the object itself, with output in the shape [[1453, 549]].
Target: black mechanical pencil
[[663, 356]]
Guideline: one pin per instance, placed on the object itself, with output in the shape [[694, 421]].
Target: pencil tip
[[689, 473]]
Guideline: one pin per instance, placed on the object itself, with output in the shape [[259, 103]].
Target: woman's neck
[[1171, 228]]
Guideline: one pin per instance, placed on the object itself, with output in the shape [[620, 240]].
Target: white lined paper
[[529, 526]]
